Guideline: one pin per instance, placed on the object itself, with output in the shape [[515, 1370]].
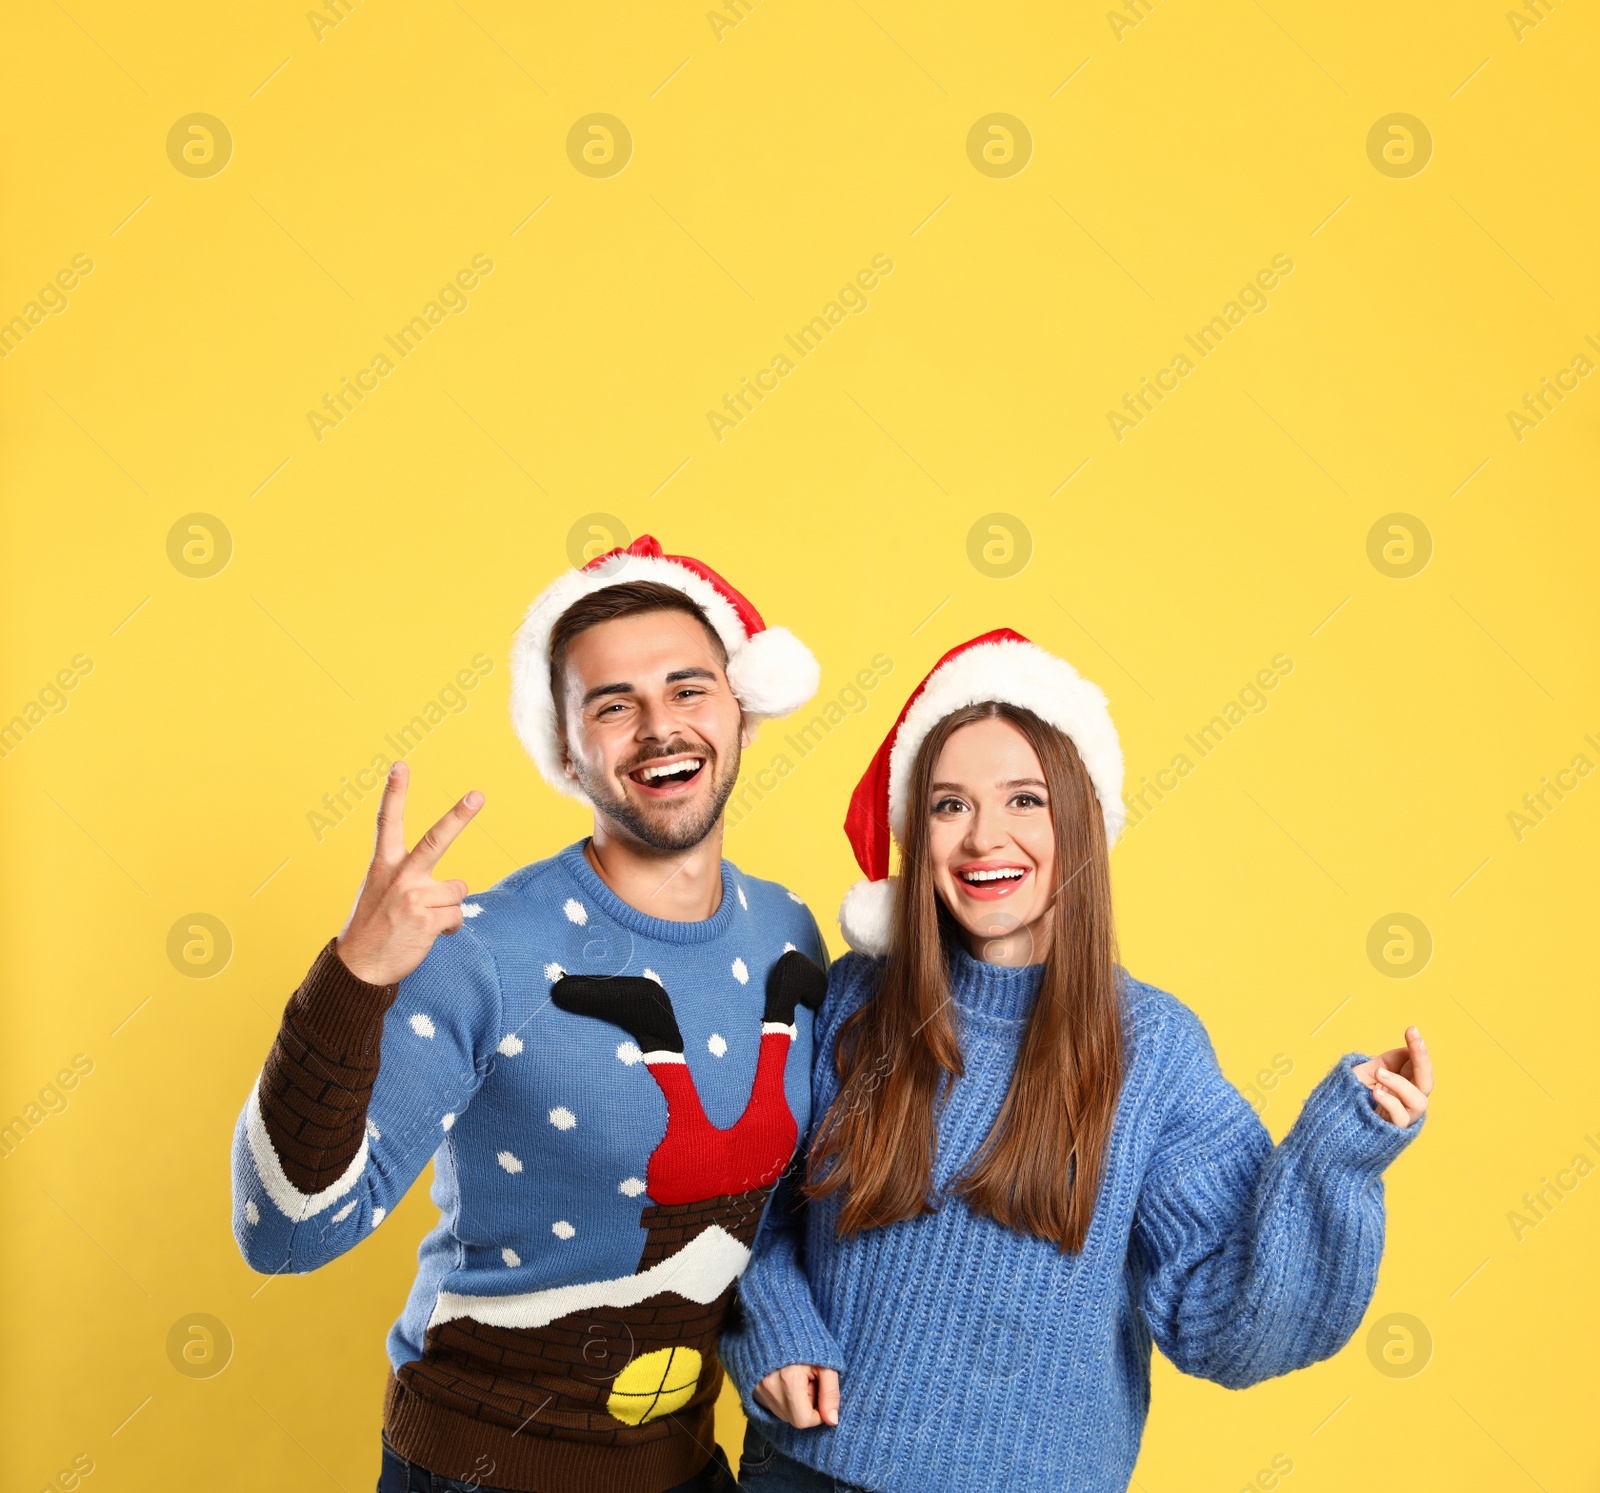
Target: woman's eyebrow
[[1023, 783]]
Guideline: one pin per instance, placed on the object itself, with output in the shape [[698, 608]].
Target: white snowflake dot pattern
[[422, 1026], [718, 1045], [650, 974], [630, 1187], [742, 902], [794, 898], [471, 909], [378, 1215], [562, 1117], [629, 1053], [553, 972], [562, 1229], [447, 1121], [252, 1213], [510, 1045], [345, 1211], [576, 912], [509, 1162], [788, 948], [511, 1257], [741, 972], [373, 1130]]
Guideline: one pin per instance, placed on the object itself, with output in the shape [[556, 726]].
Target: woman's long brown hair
[[1040, 1168]]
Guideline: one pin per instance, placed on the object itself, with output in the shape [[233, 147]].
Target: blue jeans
[[764, 1469], [400, 1476]]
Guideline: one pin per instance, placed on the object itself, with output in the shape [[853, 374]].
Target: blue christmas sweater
[[607, 1098], [972, 1357]]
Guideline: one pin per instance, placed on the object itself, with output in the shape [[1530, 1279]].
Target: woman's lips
[[995, 890]]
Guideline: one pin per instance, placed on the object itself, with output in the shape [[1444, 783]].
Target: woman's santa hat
[[771, 671], [1001, 665]]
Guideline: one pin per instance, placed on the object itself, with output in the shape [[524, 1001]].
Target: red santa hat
[[1000, 665], [771, 671]]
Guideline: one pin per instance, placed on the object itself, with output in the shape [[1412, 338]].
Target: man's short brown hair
[[625, 599]]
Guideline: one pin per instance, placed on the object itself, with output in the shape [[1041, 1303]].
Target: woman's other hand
[[1400, 1079], [801, 1394]]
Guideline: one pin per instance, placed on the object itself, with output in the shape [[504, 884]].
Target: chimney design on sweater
[[607, 1361]]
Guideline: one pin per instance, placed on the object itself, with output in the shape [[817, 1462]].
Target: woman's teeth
[[1006, 873]]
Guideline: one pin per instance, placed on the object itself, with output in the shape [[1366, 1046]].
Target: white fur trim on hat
[[772, 673], [1024, 674], [866, 916]]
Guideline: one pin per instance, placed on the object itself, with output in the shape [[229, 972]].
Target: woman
[[1028, 1164]]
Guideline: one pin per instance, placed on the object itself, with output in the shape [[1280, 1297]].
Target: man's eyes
[[682, 695]]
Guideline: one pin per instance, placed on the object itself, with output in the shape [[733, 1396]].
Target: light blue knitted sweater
[[974, 1357]]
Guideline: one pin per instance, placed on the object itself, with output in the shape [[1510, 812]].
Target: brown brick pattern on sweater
[[459, 1446], [318, 1078], [670, 1228], [554, 1381]]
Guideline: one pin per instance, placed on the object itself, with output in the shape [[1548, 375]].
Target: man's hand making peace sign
[[402, 908]]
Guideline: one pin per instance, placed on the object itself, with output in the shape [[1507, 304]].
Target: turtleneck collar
[[998, 992]]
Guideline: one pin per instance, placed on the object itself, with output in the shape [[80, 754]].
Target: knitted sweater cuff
[[1343, 1130], [337, 1010], [786, 1328]]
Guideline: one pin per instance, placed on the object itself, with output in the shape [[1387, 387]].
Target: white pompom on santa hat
[[771, 671], [1001, 665]]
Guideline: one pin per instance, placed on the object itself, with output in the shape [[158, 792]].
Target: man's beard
[[672, 827]]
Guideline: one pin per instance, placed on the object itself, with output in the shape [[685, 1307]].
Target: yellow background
[[769, 165]]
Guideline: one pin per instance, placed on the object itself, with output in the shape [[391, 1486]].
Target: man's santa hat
[[771, 671], [1001, 665]]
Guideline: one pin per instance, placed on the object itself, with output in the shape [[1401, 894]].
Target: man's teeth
[[692, 764], [1005, 873]]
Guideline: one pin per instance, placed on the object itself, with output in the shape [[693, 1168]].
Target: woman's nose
[[985, 833]]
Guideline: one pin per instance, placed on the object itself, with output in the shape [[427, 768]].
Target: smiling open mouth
[[991, 883], [664, 777]]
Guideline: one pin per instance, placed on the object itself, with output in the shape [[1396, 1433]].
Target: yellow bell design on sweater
[[655, 1384]]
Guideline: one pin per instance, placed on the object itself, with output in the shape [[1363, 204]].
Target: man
[[609, 1062]]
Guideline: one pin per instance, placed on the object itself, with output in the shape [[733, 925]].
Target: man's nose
[[657, 720]]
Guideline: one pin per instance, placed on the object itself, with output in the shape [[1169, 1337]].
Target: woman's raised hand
[[1400, 1079], [801, 1394], [402, 909]]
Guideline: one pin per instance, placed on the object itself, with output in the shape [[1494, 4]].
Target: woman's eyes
[[1023, 801]]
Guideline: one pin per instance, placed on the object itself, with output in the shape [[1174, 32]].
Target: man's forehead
[[640, 649]]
